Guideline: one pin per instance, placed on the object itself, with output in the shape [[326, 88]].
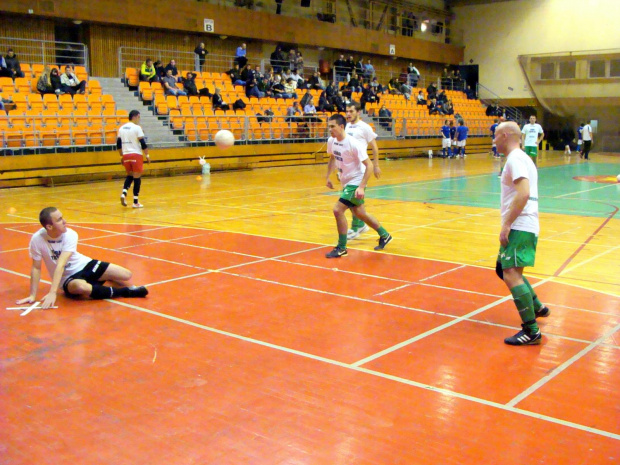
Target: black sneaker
[[137, 291], [337, 252], [525, 337], [542, 313], [383, 241]]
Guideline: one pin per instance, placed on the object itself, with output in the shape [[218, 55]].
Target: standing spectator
[[369, 70], [385, 117], [300, 63], [292, 58], [218, 102], [431, 91], [147, 71], [172, 66], [471, 95], [44, 84], [458, 80], [446, 81], [531, 136], [277, 60], [340, 65], [588, 139], [350, 65], [70, 82], [240, 55], [360, 68], [413, 74], [170, 85], [201, 54], [12, 65]]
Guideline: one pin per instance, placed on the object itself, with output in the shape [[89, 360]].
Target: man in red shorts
[[131, 145]]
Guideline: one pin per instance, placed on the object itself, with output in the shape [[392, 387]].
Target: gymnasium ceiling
[[453, 3]]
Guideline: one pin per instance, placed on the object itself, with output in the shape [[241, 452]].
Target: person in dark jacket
[[218, 102], [55, 81], [12, 65], [201, 53], [277, 60], [175, 72], [189, 84]]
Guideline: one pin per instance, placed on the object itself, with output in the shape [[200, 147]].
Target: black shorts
[[91, 273]]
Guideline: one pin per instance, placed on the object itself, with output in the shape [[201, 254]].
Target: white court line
[[585, 190], [589, 260], [541, 382], [375, 373], [14, 250]]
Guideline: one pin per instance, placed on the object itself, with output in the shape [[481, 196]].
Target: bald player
[[519, 233]]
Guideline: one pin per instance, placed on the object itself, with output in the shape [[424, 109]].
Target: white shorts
[[445, 143], [579, 142], [461, 143], [454, 143], [493, 144]]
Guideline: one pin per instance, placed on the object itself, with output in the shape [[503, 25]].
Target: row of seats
[[37, 102], [36, 69], [31, 138], [65, 118], [8, 87]]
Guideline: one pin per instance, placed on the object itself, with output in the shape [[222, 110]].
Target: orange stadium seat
[[94, 87], [132, 76]]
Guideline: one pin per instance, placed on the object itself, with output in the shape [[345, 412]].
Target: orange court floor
[[253, 348]]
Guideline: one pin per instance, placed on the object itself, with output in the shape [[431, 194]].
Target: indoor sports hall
[[252, 347]]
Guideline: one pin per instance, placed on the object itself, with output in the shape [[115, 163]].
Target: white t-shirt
[[520, 165], [43, 247], [587, 132], [129, 134], [349, 154], [531, 132], [361, 131]]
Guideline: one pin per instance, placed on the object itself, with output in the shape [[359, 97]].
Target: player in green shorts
[[350, 157], [531, 135], [519, 234]]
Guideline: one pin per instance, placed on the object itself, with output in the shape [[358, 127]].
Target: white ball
[[618, 178], [224, 139]]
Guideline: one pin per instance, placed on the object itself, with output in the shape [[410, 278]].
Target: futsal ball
[[618, 178], [224, 139]]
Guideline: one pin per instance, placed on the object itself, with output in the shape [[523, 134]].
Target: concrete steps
[[155, 130]]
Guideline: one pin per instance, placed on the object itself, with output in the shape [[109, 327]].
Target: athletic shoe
[[138, 291], [525, 337], [383, 241], [337, 252], [542, 313], [123, 201], [355, 233], [138, 205]]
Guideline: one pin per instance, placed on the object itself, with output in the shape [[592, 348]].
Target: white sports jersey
[[349, 154], [129, 134], [531, 132], [361, 131], [520, 165], [43, 247], [587, 132]]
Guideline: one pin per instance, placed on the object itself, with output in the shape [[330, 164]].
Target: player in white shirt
[[131, 146], [56, 246], [364, 133], [588, 139], [349, 156], [531, 135], [519, 233]]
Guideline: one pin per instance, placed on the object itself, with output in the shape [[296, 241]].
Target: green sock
[[537, 303], [382, 232], [356, 223], [342, 241], [525, 305]]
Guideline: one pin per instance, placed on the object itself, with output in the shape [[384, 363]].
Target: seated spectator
[[354, 84], [309, 109], [442, 97], [289, 88], [298, 79], [432, 107], [44, 84], [70, 82], [340, 102], [278, 88], [286, 74], [414, 75], [448, 108], [201, 55], [170, 84], [12, 65], [471, 95], [368, 96], [218, 102], [4, 71], [378, 88], [345, 90], [251, 87], [315, 82], [293, 113], [369, 70], [172, 66], [189, 84], [420, 99], [277, 60], [406, 91], [324, 103], [235, 75], [385, 117], [431, 91], [160, 71], [240, 56], [331, 91], [56, 81], [147, 71], [2, 105], [394, 86]]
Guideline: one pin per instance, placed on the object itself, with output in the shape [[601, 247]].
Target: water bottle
[[206, 168]]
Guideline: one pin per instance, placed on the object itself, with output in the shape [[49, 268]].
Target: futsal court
[[253, 348]]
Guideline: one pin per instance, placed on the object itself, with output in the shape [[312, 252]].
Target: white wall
[[495, 34]]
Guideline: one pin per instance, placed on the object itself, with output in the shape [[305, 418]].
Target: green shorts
[[348, 197], [520, 251], [531, 151]]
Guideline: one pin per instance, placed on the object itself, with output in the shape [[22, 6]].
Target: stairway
[[382, 133], [156, 132]]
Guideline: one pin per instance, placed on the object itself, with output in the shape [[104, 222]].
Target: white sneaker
[[138, 205], [123, 201], [354, 234]]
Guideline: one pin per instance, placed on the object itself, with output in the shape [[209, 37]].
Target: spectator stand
[[488, 97], [46, 52]]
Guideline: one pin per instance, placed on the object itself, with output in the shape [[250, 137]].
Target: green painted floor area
[[557, 190]]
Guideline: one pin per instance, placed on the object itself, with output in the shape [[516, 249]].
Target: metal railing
[[341, 74], [47, 52], [488, 97]]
